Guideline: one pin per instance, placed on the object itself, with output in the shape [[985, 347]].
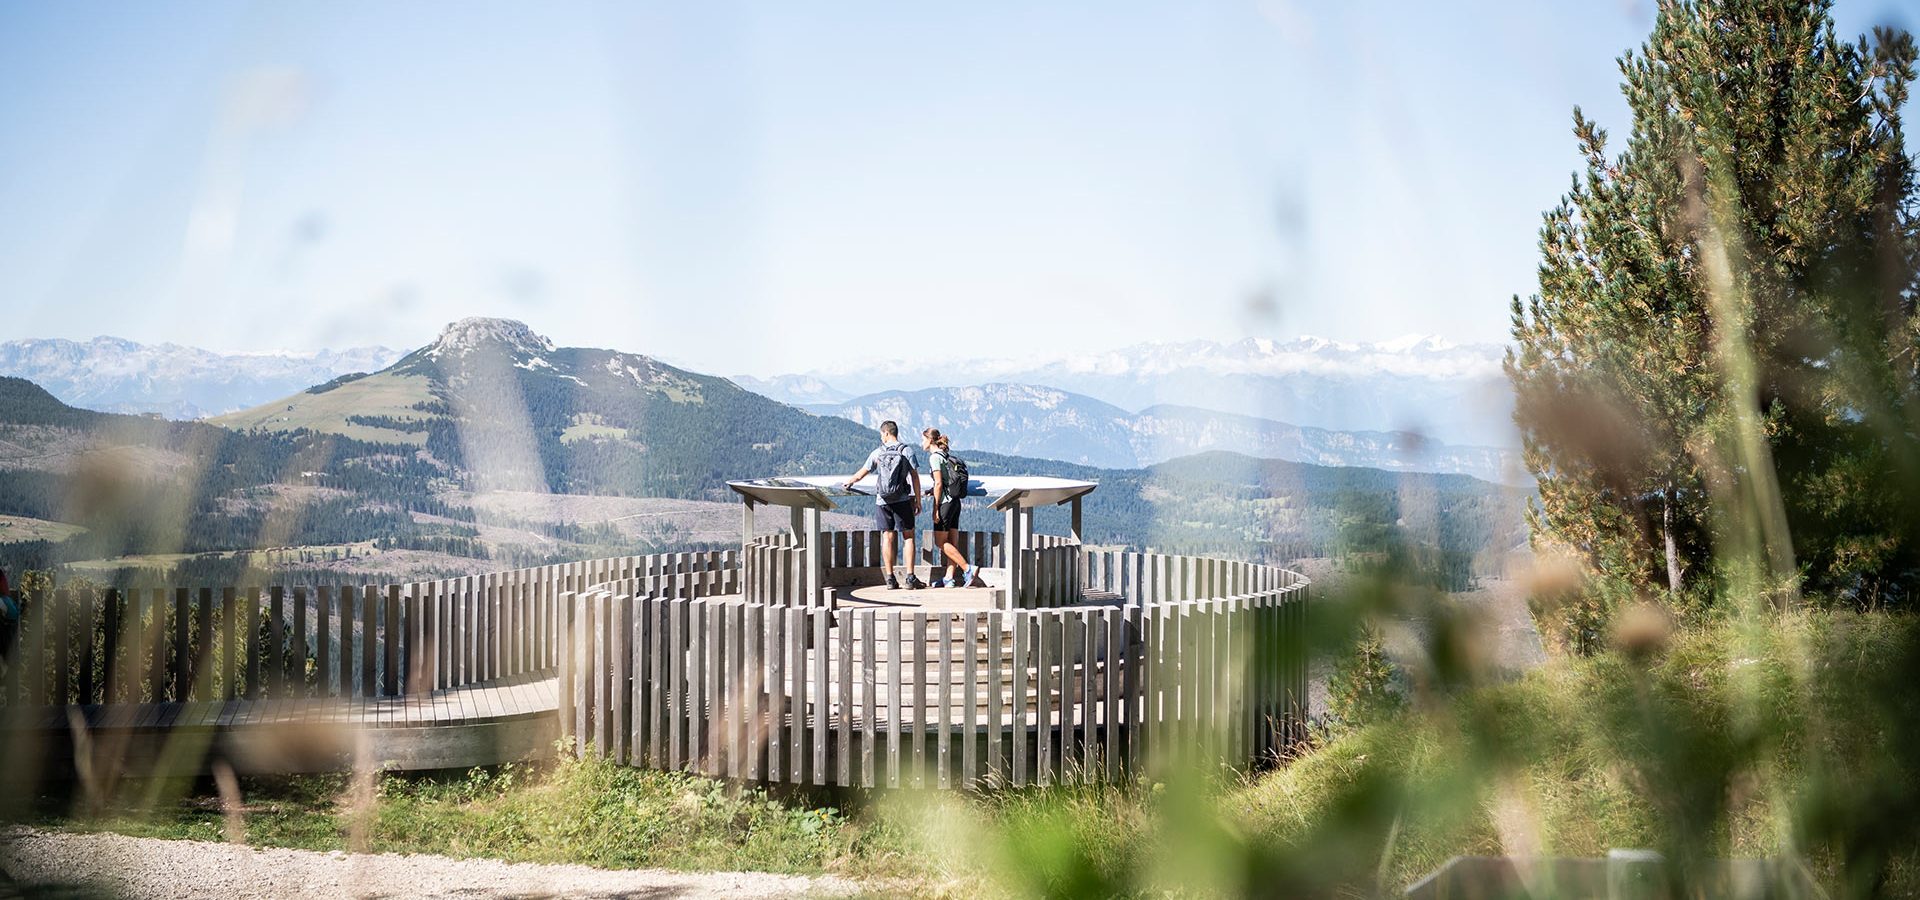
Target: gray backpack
[[894, 471]]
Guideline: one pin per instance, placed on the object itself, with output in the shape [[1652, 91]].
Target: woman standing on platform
[[949, 490]]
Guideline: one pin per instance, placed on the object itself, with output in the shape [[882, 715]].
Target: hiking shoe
[[892, 583], [913, 582]]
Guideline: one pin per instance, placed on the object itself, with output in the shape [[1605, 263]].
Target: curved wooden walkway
[[481, 724]]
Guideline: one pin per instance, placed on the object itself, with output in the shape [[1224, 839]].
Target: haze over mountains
[[1451, 392], [1144, 404], [110, 374], [1029, 420], [420, 456]]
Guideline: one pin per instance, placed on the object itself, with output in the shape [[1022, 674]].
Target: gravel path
[[150, 867]]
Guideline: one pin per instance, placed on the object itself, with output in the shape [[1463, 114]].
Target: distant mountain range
[[396, 455], [1451, 392], [1034, 421], [109, 374]]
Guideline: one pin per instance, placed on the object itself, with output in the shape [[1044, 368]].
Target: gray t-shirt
[[873, 463]]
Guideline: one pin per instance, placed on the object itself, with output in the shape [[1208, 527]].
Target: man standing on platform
[[898, 498]]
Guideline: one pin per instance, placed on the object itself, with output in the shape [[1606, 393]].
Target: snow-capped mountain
[[115, 375], [1455, 392], [1028, 420], [1019, 419], [798, 390]]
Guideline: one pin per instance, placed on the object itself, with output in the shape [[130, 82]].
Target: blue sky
[[742, 187]]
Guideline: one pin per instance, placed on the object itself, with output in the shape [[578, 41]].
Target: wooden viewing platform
[[784, 661]]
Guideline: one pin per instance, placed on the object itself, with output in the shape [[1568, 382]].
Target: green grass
[[21, 528], [380, 394], [1797, 735], [571, 811]]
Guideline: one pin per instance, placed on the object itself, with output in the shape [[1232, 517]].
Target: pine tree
[[1732, 297]]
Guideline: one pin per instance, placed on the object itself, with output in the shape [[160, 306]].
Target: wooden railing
[[689, 661], [159, 645], [883, 698]]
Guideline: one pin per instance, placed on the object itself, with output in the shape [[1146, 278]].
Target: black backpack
[[954, 473], [894, 471]]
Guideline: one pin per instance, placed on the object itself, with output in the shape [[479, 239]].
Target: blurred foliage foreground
[[1796, 742]]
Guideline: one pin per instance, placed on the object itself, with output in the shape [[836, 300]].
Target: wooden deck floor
[[939, 599], [454, 706], [496, 722]]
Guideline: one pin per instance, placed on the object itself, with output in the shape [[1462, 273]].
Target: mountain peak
[[475, 332]]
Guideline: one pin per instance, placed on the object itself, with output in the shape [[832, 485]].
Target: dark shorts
[[946, 515], [894, 516]]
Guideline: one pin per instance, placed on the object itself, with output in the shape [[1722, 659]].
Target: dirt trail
[[133, 867]]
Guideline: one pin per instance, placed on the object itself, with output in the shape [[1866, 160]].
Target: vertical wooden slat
[[638, 626], [713, 732], [202, 674], [1020, 623], [942, 733], [755, 641], [64, 647], [418, 653], [446, 611], [970, 752], [820, 692], [843, 706], [676, 664], [369, 616], [895, 623], [738, 700], [494, 631], [1045, 684], [580, 664], [797, 748], [1114, 635], [250, 641], [323, 640], [133, 634], [600, 655], [1135, 623], [997, 718], [35, 619], [1089, 626], [229, 610], [1066, 746], [1191, 710], [85, 615], [298, 675], [776, 693], [918, 734], [276, 655], [869, 645], [344, 658], [391, 632], [182, 646], [696, 684], [153, 642], [658, 726]]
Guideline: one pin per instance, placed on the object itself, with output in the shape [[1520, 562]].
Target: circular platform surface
[[876, 596]]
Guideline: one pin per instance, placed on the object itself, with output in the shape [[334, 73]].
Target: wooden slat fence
[[689, 681], [156, 645]]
